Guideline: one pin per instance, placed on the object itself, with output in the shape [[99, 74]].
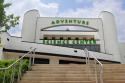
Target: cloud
[[17, 33], [19, 7], [84, 1]]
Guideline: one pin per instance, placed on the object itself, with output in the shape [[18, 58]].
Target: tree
[[7, 21]]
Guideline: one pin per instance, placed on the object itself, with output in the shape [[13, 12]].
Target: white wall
[[110, 34], [122, 52], [16, 44], [95, 23], [33, 24], [1, 53], [29, 26], [1, 47]]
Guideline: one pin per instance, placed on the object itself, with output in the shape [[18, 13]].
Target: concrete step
[[58, 72], [28, 81], [114, 81], [72, 74], [114, 77], [61, 69], [69, 67], [58, 75], [60, 65], [113, 65], [114, 71], [59, 78], [81, 76], [63, 73], [114, 74]]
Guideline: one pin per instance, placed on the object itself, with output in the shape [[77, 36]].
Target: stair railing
[[95, 66], [13, 72]]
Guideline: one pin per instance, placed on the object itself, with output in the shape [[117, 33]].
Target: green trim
[[68, 42]]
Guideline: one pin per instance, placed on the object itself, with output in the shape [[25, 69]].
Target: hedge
[[15, 71]]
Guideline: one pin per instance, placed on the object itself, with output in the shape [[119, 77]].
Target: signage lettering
[[64, 42], [70, 21]]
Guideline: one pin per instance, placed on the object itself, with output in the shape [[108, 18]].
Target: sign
[[66, 42], [70, 21]]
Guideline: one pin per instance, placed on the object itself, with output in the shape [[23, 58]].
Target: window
[[92, 38], [53, 38], [77, 38], [8, 39], [84, 38], [45, 38], [69, 38], [61, 38]]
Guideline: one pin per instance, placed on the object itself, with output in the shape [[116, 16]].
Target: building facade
[[98, 35]]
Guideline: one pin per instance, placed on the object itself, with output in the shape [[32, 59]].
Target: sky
[[69, 8]]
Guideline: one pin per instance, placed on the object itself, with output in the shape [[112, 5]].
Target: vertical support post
[[86, 53], [30, 62], [88, 57], [13, 73], [101, 74], [11, 76], [4, 76], [20, 70], [96, 75], [33, 56], [18, 74]]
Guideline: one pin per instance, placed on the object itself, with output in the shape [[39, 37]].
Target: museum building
[[55, 41]]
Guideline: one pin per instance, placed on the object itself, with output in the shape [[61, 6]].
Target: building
[[55, 46]]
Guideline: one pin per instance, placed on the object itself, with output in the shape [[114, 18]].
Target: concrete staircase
[[58, 74], [72, 73], [114, 73]]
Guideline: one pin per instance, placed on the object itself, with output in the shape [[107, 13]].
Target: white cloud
[[19, 7], [82, 1], [79, 1], [17, 34]]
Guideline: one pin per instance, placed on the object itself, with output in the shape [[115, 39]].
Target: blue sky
[[70, 8]]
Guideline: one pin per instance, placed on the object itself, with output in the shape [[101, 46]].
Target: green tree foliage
[[7, 21]]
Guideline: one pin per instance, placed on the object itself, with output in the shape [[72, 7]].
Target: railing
[[14, 71], [95, 66]]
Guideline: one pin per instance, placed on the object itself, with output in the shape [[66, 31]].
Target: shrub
[[10, 71]]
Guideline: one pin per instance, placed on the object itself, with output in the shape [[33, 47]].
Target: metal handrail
[[13, 66], [99, 79]]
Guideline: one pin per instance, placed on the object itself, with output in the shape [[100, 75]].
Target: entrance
[[70, 62], [41, 61]]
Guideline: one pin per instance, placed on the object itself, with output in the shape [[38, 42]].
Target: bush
[[10, 71], [5, 63]]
